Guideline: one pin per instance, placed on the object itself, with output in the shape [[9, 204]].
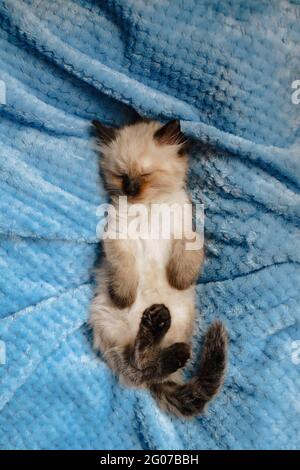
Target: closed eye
[[115, 174]]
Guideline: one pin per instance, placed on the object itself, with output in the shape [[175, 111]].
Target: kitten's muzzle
[[131, 186]]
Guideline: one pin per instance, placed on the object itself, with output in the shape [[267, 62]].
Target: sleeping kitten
[[143, 311]]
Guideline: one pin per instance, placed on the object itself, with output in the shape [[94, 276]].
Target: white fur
[[113, 326]]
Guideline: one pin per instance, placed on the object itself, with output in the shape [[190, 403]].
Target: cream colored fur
[[141, 266]]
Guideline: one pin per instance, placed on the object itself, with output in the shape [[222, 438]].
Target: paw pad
[[157, 319]]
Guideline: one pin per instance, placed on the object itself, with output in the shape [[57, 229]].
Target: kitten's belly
[[121, 326], [152, 257]]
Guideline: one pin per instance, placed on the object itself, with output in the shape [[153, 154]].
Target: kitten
[[143, 311]]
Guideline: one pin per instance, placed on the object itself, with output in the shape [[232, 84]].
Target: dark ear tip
[[175, 123], [105, 133]]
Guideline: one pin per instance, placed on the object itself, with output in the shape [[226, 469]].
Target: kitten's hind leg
[[155, 322], [144, 362], [156, 362]]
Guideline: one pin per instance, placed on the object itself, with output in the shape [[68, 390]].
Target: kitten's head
[[144, 159]]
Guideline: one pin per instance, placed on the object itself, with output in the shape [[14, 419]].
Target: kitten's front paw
[[179, 280], [184, 265], [122, 298], [156, 320], [175, 357]]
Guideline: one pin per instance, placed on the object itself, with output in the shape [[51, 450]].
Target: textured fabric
[[225, 68]]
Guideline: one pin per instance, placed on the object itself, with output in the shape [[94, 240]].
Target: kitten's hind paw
[[156, 319], [175, 356]]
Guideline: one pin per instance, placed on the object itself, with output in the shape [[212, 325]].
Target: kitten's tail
[[189, 399]]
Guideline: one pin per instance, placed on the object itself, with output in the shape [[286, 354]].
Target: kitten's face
[[143, 160]]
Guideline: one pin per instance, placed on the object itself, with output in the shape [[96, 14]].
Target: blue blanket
[[225, 68]]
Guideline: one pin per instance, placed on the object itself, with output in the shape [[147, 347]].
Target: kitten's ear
[[170, 134], [105, 133], [137, 118]]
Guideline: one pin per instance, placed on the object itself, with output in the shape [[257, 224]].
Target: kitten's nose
[[131, 186]]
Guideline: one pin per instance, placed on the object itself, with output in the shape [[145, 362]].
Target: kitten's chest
[[151, 230], [152, 253], [151, 241]]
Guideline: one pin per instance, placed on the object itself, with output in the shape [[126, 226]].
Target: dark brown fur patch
[[105, 133], [155, 323], [189, 399], [145, 362], [170, 134]]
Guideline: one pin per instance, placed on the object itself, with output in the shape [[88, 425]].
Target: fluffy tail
[[189, 399]]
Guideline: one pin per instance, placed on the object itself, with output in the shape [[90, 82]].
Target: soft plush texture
[[225, 69]]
